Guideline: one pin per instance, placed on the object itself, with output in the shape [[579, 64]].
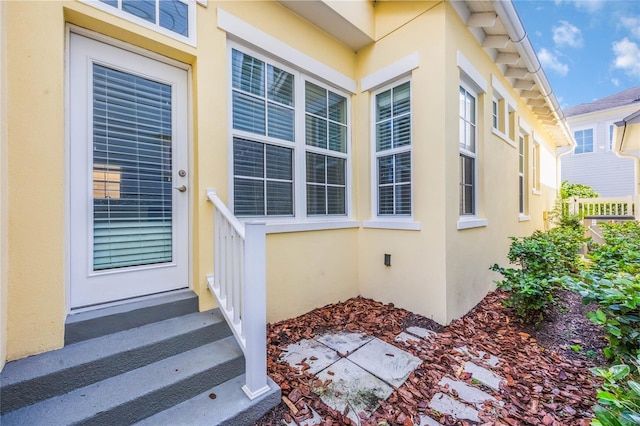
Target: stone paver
[[469, 394], [344, 342], [308, 349], [406, 338], [428, 421], [353, 387], [484, 376], [315, 420], [491, 360], [420, 332], [445, 404], [386, 361]]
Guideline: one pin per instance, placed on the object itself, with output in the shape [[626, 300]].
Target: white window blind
[[132, 197]]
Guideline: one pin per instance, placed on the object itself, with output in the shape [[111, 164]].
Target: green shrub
[[620, 251], [576, 190], [619, 312], [619, 399]]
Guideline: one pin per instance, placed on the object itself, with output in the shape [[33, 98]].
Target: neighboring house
[[422, 130], [626, 143], [594, 162]]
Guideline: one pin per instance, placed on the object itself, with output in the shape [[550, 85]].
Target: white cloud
[[632, 23], [551, 62], [615, 82], [567, 35], [627, 57], [590, 6]]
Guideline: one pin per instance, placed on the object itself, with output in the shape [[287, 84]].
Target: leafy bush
[[576, 190], [620, 251], [619, 313], [540, 257], [619, 398]]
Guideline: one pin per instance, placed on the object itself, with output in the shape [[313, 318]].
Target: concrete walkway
[[357, 371]]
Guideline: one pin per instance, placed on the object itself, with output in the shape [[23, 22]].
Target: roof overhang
[[626, 136]]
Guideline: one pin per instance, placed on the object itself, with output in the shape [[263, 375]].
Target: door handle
[[181, 188]]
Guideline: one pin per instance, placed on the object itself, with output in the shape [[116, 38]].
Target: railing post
[[254, 302]]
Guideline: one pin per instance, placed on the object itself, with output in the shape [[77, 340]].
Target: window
[[584, 141], [610, 137], [468, 151], [393, 150], [275, 114], [535, 167], [494, 115], [172, 17], [503, 112], [522, 170]]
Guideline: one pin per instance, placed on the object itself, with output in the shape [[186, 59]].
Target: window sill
[[317, 225], [536, 192], [472, 222], [504, 137], [523, 218], [400, 225]]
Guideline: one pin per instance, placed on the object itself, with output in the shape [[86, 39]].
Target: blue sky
[[589, 49]]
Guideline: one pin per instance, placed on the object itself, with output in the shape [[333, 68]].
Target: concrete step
[[140, 393], [33, 379], [227, 406], [101, 322]]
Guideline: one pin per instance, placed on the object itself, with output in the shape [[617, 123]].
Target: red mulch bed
[[549, 384]]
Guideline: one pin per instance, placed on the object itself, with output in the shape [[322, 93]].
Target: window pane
[[174, 16], [248, 197], [248, 113], [337, 137], [403, 167], [336, 171], [145, 9], [403, 199], [315, 100], [385, 200], [401, 99], [337, 108], [280, 86], [467, 184], [281, 124], [383, 136], [113, 3], [279, 162], [315, 168], [383, 105], [247, 73], [402, 131], [385, 170], [316, 131], [316, 203], [248, 158], [336, 200], [279, 198]]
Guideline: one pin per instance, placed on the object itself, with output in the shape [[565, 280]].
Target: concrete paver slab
[[491, 360], [484, 376], [428, 421], [306, 350], [447, 405], [420, 332], [315, 420], [391, 364], [470, 394], [353, 387], [344, 342], [406, 338]]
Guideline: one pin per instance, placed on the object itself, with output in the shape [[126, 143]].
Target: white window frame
[[299, 221], [524, 142], [535, 167], [506, 113], [593, 138], [191, 39], [472, 80], [610, 135]]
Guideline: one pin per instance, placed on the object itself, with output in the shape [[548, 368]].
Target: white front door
[[128, 174]]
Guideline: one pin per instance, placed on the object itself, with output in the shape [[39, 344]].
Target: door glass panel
[[132, 194]]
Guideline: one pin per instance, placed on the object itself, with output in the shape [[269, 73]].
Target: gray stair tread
[[100, 347], [230, 404], [99, 397]]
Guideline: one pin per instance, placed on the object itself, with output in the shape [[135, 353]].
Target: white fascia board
[[243, 31], [390, 72]]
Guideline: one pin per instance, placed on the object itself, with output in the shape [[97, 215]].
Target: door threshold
[[120, 302]]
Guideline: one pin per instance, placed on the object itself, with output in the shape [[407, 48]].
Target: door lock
[[182, 173], [181, 188]]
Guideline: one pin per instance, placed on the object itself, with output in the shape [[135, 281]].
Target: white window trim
[[523, 217], [299, 221], [390, 73], [526, 141], [191, 8], [283, 52], [469, 222], [471, 75], [610, 143], [593, 134], [476, 192], [401, 222], [535, 188], [501, 94]]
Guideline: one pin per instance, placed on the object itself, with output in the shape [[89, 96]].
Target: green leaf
[[601, 316], [619, 371]]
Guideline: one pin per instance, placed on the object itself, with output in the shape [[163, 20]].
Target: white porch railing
[[614, 206], [239, 285]]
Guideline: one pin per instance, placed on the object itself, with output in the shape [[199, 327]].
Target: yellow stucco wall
[[437, 271], [4, 234]]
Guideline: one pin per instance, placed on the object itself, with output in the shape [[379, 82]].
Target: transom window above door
[[290, 141]]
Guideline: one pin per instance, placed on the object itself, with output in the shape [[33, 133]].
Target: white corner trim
[[523, 218], [248, 33], [320, 225], [395, 224], [472, 73], [390, 72], [464, 223], [498, 87], [202, 3]]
